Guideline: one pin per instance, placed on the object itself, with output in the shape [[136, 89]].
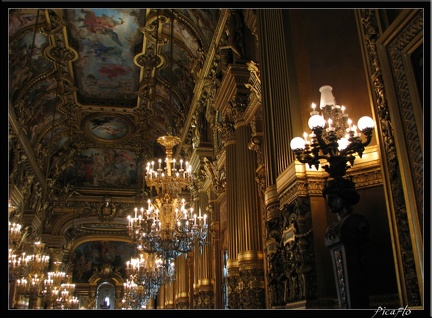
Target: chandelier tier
[[170, 177], [334, 138], [168, 226]]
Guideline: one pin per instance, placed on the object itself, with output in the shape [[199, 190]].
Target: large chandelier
[[168, 226], [334, 138]]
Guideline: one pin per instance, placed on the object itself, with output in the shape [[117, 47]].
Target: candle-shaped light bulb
[[343, 109]]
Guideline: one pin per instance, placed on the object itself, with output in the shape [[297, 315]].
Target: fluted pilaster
[[181, 286]]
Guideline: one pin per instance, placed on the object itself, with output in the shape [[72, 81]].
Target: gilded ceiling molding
[[55, 22]]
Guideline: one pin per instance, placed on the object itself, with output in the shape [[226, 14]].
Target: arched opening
[[105, 296]]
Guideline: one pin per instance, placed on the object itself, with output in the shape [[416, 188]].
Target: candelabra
[[168, 226], [334, 138]]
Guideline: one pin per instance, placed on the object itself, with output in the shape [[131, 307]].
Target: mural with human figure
[[105, 168], [90, 257]]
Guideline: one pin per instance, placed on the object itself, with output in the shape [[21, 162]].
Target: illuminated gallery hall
[[217, 159]]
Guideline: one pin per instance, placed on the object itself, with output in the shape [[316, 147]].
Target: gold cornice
[[232, 86], [204, 74], [252, 108]]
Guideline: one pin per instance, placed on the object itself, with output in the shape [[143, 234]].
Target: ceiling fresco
[[95, 88]]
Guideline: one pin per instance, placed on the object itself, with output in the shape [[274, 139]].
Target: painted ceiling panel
[[106, 39], [92, 82]]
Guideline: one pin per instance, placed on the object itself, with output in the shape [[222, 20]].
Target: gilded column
[[217, 264], [196, 260], [226, 128], [275, 100], [169, 296], [206, 279], [250, 257], [182, 278], [160, 298]]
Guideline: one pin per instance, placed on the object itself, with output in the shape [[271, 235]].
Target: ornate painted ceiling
[[92, 89]]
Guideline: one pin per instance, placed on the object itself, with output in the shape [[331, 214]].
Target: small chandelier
[[66, 299], [31, 269], [168, 226], [334, 138], [147, 273]]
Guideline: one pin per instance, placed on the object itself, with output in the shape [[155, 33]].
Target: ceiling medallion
[[107, 127]]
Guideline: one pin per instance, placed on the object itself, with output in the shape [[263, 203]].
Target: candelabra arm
[[321, 143]]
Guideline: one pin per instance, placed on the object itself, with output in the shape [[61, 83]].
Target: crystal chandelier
[[334, 138], [168, 226], [147, 273], [66, 299], [31, 269]]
